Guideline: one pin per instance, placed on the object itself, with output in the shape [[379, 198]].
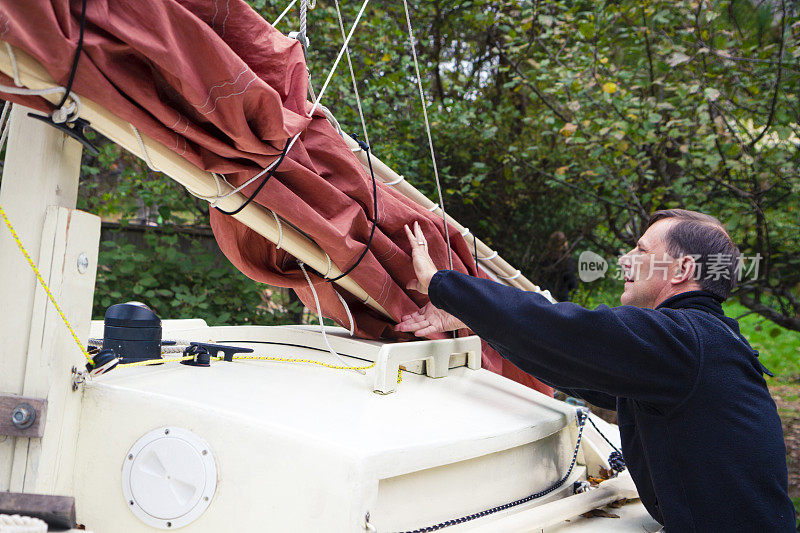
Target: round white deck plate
[[169, 477]]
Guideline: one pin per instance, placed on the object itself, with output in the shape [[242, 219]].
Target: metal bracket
[[78, 378]]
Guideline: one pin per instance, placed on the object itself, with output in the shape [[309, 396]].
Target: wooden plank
[[47, 465], [57, 511], [10, 402], [41, 169]]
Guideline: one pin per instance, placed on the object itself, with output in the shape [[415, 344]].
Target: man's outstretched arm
[[624, 351]]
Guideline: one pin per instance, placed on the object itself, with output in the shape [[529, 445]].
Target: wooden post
[[39, 193]]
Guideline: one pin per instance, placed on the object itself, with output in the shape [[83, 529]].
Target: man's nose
[[625, 260]]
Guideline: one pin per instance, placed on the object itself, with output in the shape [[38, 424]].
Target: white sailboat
[[279, 439]]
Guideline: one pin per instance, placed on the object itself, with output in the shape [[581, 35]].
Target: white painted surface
[[305, 448]]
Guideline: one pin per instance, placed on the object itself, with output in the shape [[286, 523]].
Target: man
[[700, 433]]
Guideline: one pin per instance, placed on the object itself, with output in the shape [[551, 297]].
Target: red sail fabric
[[215, 83]]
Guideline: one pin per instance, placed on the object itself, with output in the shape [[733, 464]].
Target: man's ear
[[685, 271]]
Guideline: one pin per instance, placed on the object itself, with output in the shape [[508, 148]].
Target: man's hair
[[703, 237]]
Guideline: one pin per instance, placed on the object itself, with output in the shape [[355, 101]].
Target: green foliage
[[582, 117], [170, 268], [177, 284], [585, 117]]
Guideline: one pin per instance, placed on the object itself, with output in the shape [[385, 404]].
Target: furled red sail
[[218, 85]]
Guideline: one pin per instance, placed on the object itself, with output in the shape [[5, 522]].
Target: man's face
[[648, 268]]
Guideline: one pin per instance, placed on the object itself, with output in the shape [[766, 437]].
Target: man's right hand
[[429, 320]]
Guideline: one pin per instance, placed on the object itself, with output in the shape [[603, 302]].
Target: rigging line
[[283, 14], [428, 130], [374, 220], [76, 58], [321, 322], [353, 77], [339, 56], [311, 113], [365, 146], [260, 185]]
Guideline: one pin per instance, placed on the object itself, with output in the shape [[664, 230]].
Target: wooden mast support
[[260, 219], [39, 192]]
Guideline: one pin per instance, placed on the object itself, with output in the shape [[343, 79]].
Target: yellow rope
[[44, 284], [306, 361], [150, 362]]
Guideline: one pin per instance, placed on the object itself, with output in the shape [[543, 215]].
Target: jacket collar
[[700, 300]]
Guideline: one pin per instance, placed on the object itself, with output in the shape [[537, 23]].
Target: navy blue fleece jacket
[[700, 431]]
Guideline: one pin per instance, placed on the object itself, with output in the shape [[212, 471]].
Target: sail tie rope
[[14, 65], [322, 323]]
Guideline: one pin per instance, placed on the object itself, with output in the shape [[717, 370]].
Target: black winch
[[133, 331]]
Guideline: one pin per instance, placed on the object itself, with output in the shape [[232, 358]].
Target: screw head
[[23, 416], [83, 263]]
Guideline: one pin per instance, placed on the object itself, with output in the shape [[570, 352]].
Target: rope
[[332, 120], [360, 369], [581, 418], [303, 23], [5, 124], [43, 283], [150, 362], [291, 141], [428, 131], [14, 65], [321, 322], [395, 182], [288, 8], [252, 196], [153, 362], [74, 69], [21, 524], [280, 230], [208, 198], [374, 220], [353, 77], [289, 360], [146, 155], [67, 115], [339, 57], [347, 310]]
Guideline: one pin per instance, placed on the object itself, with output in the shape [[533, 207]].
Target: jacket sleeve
[[625, 351]]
